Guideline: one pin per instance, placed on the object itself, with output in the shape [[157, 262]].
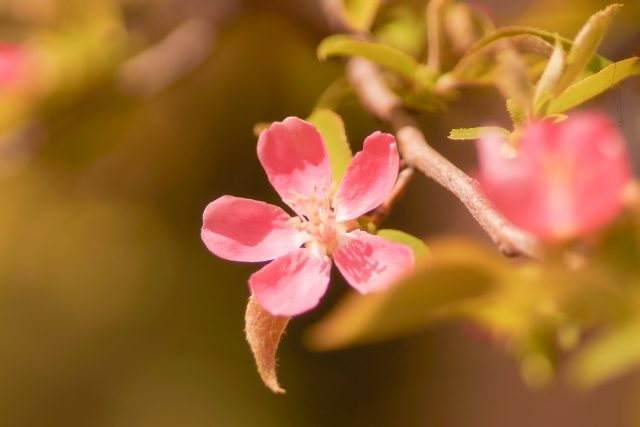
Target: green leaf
[[420, 250], [513, 80], [619, 249], [478, 66], [517, 114], [585, 45], [477, 133], [405, 31], [550, 78], [330, 125], [360, 14], [595, 64], [334, 93], [459, 270], [594, 85], [609, 356], [393, 59]]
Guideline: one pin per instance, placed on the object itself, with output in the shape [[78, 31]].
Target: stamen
[[316, 216]]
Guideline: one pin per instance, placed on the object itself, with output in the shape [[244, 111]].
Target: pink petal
[[371, 263], [567, 180], [294, 156], [370, 177], [247, 230], [293, 283]]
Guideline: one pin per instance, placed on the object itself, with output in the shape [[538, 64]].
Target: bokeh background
[[113, 313]]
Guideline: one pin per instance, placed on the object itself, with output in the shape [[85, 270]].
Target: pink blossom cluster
[[297, 164]]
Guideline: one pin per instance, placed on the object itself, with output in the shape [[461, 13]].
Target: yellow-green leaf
[[360, 14], [550, 78], [609, 356], [420, 250], [513, 80], [458, 271], [585, 45], [479, 132], [334, 93], [331, 126], [594, 85], [345, 45], [595, 64], [478, 65], [517, 114], [405, 31]]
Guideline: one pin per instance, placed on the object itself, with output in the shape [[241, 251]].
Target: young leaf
[[595, 64], [333, 94], [330, 125], [420, 250], [585, 45], [550, 78], [594, 85], [611, 355], [345, 45], [361, 13], [478, 67], [405, 31], [264, 331], [459, 270], [517, 114], [513, 80], [477, 133]]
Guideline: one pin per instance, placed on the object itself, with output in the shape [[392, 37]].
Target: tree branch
[[379, 100]]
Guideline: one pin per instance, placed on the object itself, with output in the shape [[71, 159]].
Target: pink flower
[[567, 179], [295, 158], [13, 64]]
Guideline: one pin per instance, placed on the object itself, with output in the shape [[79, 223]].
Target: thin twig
[[382, 212], [434, 32], [379, 100]]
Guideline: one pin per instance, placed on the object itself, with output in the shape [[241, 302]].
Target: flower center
[[317, 218]]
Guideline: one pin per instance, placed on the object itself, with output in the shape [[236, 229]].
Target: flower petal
[[372, 263], [293, 283], [370, 177], [247, 230], [294, 156]]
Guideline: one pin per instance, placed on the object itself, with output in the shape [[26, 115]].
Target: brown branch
[[382, 212], [379, 100]]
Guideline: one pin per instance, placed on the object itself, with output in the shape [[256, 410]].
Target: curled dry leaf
[[264, 331]]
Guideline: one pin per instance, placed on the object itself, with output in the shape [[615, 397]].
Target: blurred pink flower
[[13, 64], [566, 180], [295, 158]]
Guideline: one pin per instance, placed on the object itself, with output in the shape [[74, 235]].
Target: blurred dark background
[[113, 313]]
